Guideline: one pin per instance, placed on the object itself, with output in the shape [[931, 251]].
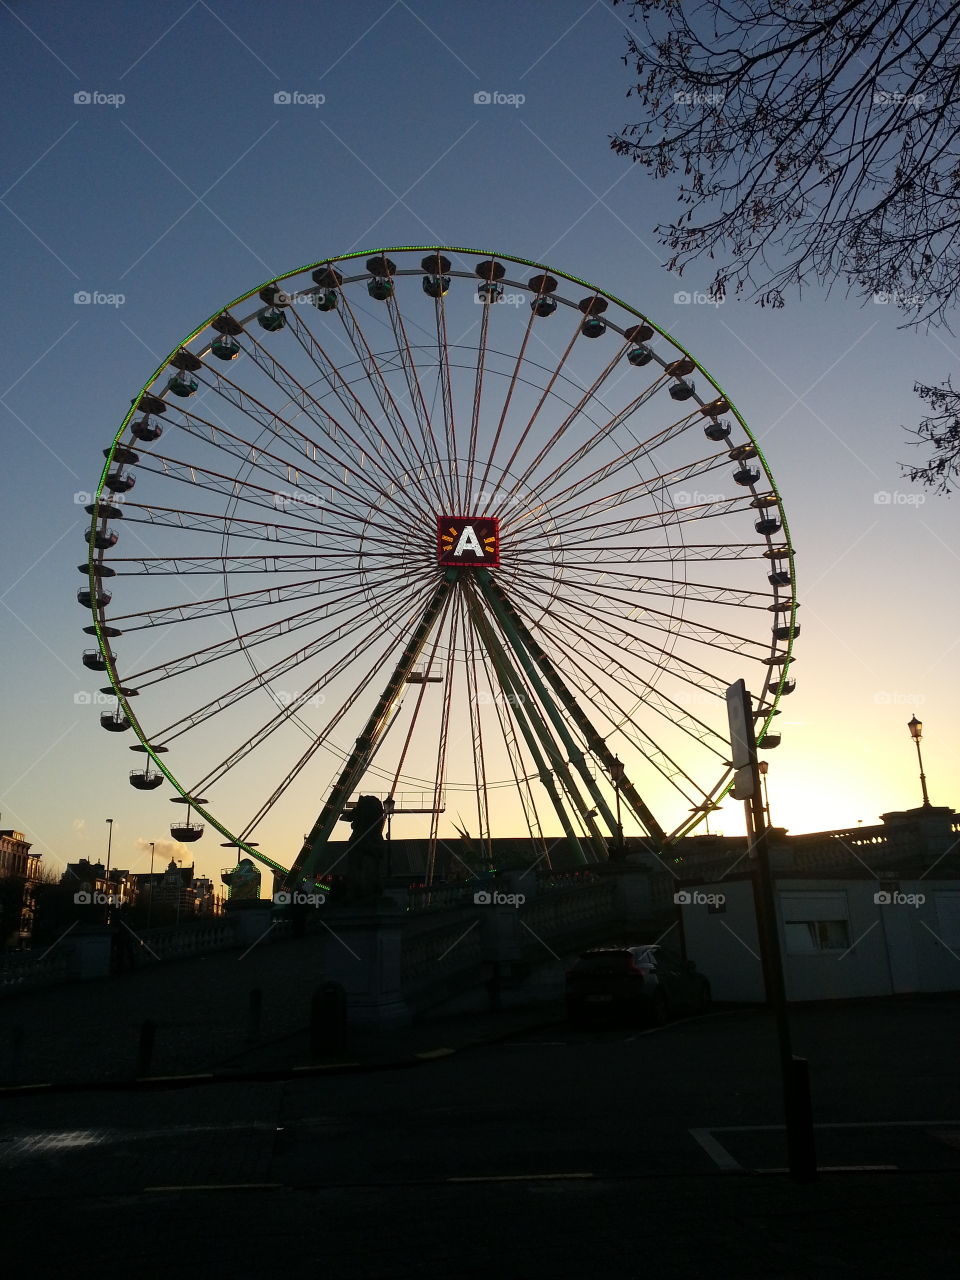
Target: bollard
[[254, 1015], [148, 1035], [800, 1136], [328, 1020]]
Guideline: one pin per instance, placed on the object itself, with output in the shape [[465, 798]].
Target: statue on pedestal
[[365, 852]]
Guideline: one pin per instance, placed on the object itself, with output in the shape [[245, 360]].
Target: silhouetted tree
[[812, 142]]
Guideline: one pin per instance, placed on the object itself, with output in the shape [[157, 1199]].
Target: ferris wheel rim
[[101, 626]]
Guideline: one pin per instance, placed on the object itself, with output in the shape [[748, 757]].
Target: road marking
[[435, 1053], [833, 1124], [519, 1177], [222, 1186], [715, 1150], [843, 1168], [326, 1066]]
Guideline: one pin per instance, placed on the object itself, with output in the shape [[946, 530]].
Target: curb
[[266, 1075]]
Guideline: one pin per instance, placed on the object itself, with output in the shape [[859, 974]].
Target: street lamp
[[150, 903], [763, 766], [916, 732], [106, 909], [389, 805], [616, 773]]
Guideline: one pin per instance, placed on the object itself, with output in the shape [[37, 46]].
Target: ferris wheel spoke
[[216, 606], [574, 415], [389, 407], [370, 430], [367, 445], [446, 397], [682, 627], [243, 641], [479, 371], [580, 642], [447, 472], [561, 470], [658, 656], [350, 627], [224, 526], [593, 646], [510, 388], [560, 508], [319, 739], [531, 421], [291, 472], [332, 456]]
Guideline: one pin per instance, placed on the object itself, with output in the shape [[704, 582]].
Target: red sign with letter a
[[468, 542]]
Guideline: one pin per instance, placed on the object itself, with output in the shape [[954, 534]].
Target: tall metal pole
[[106, 909], [796, 1086], [916, 728], [150, 903]]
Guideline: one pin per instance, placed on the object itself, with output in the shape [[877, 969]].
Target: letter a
[[468, 541]]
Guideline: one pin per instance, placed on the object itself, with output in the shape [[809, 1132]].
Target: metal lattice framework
[[418, 523]]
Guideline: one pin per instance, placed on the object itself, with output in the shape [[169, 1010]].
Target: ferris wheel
[[450, 528]]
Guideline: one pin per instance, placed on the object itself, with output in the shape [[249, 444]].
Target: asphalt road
[[559, 1152]]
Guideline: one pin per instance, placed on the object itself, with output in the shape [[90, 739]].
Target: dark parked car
[[646, 982]]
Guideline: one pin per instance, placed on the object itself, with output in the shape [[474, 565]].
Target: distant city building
[[16, 862]]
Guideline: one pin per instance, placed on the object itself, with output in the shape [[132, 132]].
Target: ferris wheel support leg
[[516, 701], [493, 591], [521, 644], [367, 743]]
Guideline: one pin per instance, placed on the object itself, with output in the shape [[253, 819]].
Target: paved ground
[[551, 1152]]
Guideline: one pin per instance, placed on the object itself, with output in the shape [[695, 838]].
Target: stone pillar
[[250, 919], [362, 952]]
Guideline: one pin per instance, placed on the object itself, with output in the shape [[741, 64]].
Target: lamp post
[[150, 903], [763, 766], [106, 909], [616, 773], [389, 805], [916, 732]]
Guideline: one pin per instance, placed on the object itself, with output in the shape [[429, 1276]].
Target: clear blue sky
[[198, 185]]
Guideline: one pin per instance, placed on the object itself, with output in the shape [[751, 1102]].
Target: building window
[[815, 922], [807, 937]]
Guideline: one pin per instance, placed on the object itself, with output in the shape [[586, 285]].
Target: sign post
[[746, 787]]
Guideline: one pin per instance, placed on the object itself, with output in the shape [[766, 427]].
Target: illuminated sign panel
[[465, 542]]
